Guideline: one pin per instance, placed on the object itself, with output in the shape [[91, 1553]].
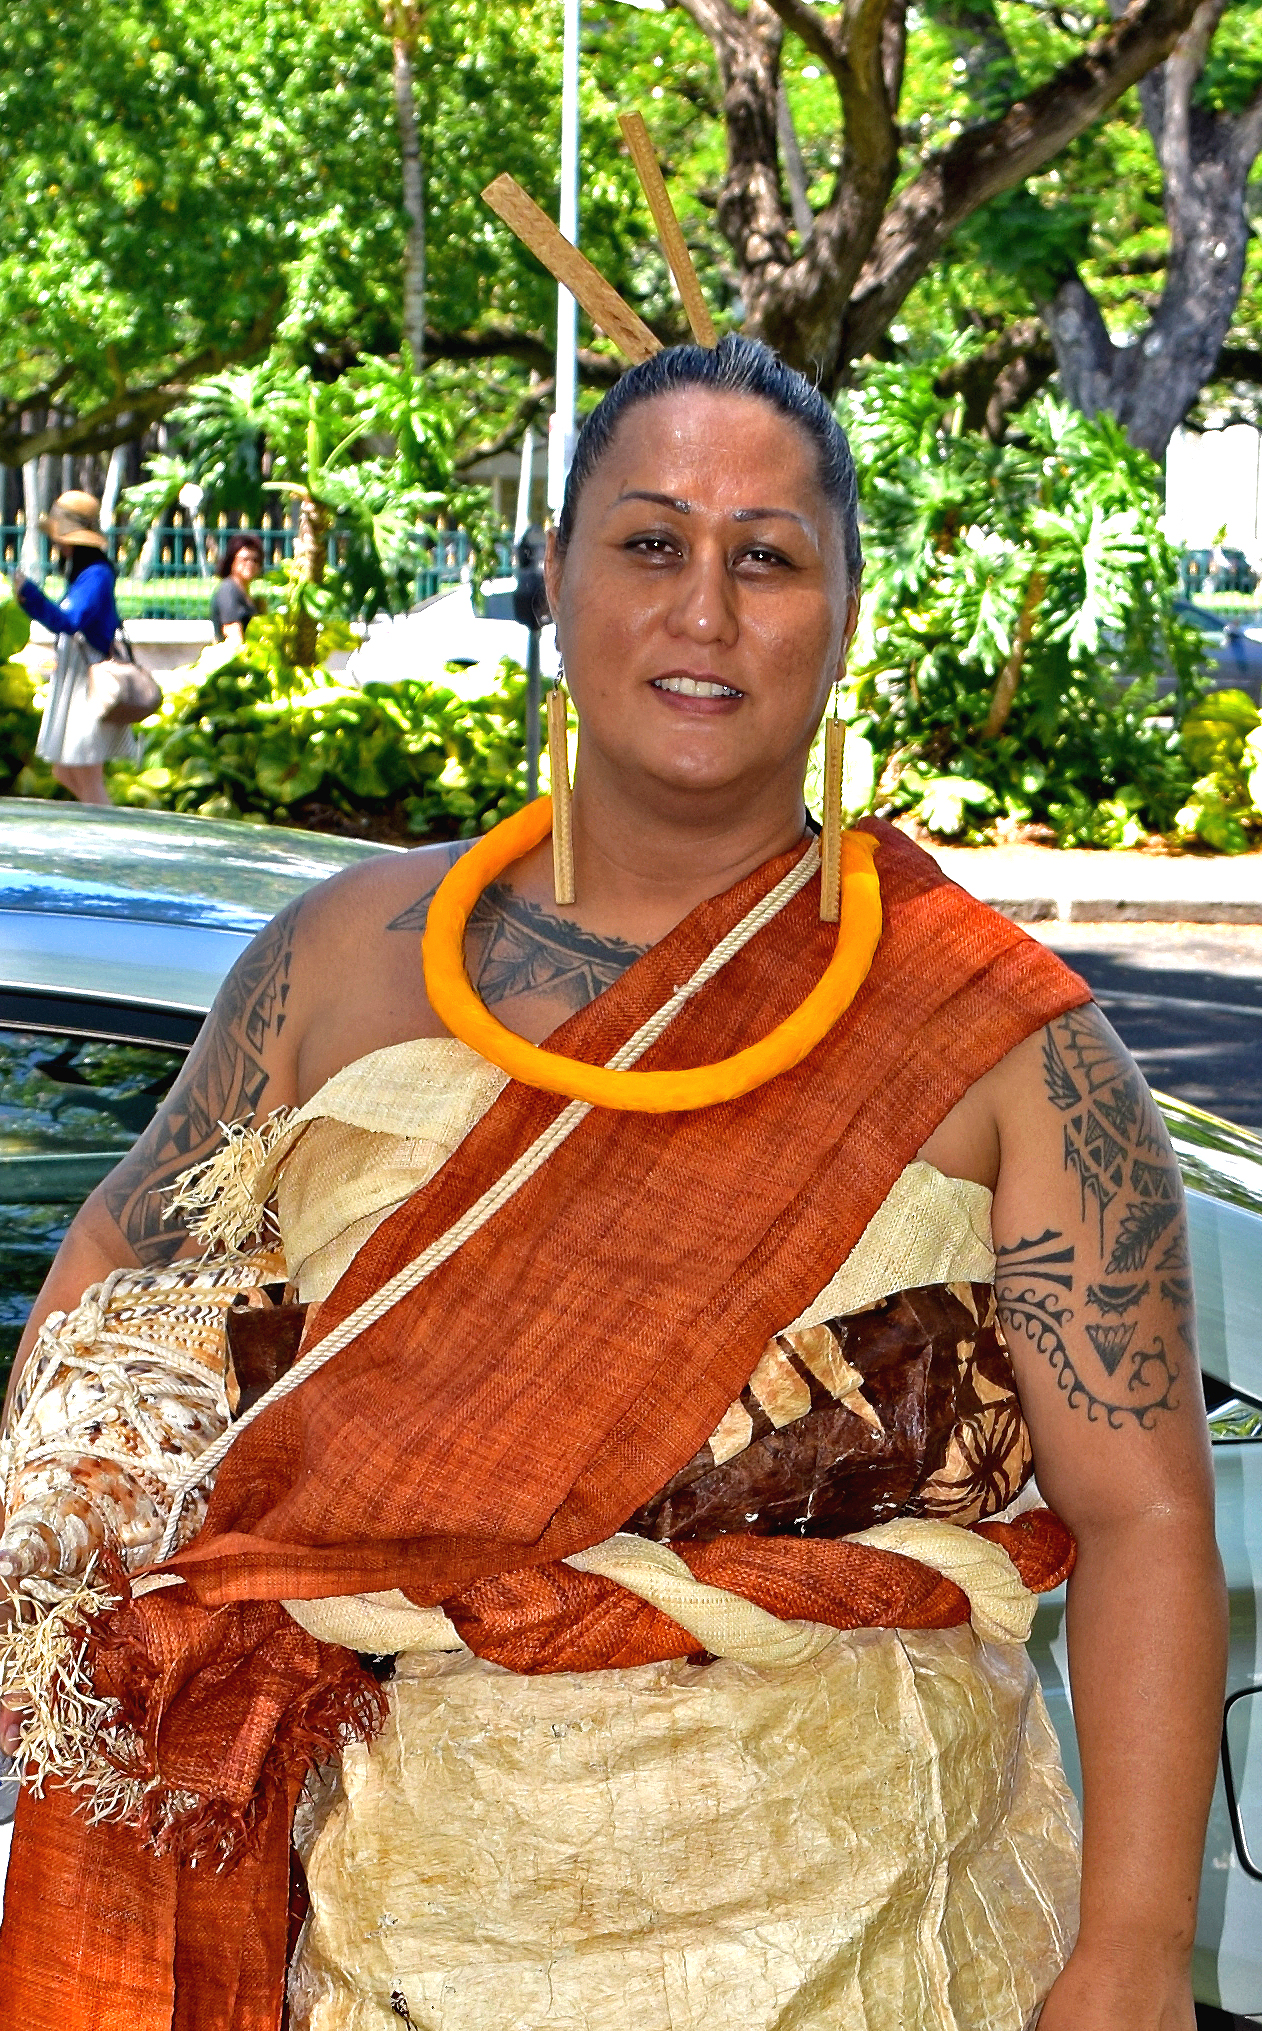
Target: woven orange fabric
[[1041, 1547], [531, 1394], [552, 1618], [537, 1389]]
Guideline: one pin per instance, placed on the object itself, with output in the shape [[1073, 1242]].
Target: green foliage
[[1222, 743], [19, 718], [1041, 560], [257, 737], [317, 434]]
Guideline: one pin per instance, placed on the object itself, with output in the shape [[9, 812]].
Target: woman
[[232, 609], [72, 738], [640, 1486]]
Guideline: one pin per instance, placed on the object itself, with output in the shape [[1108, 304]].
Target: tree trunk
[[311, 555], [113, 482], [404, 24], [32, 508], [1004, 695], [1152, 382], [794, 167], [832, 301]]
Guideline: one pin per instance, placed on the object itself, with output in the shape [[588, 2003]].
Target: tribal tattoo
[[415, 915], [514, 947], [222, 1082], [1116, 1149], [518, 948]]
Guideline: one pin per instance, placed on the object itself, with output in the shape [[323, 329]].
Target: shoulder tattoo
[[1131, 1246], [514, 947], [222, 1082], [517, 948]]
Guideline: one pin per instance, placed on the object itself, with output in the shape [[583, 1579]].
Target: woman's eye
[[653, 546], [758, 553]]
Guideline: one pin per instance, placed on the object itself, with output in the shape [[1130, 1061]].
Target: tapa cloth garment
[[529, 1395], [878, 1839], [379, 1130]]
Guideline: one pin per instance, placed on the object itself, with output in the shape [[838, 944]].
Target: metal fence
[[168, 572]]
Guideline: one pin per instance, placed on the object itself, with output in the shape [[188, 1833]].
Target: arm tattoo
[[518, 948], [222, 1082], [1115, 1147]]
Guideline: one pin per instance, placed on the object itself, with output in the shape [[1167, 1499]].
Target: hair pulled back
[[736, 366]]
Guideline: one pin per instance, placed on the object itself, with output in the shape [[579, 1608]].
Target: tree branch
[[536, 399], [131, 410], [494, 342], [993, 157], [1008, 370], [751, 209]]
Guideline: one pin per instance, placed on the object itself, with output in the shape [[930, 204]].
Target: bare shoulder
[[390, 892]]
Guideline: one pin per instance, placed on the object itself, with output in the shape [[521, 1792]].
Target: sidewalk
[[1039, 884]]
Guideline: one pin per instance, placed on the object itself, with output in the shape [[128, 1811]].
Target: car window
[[70, 1107]]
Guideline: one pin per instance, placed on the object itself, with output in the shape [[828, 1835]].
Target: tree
[[164, 166], [403, 22], [894, 203], [1206, 131]]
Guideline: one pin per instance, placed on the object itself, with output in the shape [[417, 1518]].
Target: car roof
[[145, 907]]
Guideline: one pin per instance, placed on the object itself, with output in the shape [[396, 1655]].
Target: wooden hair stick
[[669, 231], [599, 298]]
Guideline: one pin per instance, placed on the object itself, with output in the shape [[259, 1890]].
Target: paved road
[[1187, 1000]]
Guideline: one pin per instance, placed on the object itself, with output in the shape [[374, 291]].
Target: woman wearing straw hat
[[72, 736]]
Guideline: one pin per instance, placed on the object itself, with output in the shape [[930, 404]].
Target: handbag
[[120, 689]]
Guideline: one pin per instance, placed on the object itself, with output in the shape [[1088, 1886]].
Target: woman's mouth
[[695, 687]]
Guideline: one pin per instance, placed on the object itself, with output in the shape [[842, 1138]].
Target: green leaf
[[15, 626]]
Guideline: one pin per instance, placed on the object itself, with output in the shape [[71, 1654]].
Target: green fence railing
[[168, 573]]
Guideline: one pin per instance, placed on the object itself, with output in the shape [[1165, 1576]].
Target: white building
[[1214, 478]]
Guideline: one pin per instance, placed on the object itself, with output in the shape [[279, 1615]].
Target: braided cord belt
[[414, 1273]]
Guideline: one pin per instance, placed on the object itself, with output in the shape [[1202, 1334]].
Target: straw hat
[[75, 519]]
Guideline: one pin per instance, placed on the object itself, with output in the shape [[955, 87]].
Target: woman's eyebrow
[[738, 514]]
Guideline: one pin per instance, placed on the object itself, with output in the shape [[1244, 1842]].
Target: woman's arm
[[59, 620], [1095, 1297], [242, 1066], [88, 607]]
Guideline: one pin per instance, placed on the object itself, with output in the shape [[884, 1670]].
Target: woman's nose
[[704, 609]]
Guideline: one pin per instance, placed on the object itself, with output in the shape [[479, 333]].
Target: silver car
[[116, 928]]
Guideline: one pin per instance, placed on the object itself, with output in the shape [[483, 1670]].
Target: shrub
[[1222, 744], [19, 716], [1020, 610], [253, 736]]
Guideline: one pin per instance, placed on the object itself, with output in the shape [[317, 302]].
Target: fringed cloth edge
[[98, 1667]]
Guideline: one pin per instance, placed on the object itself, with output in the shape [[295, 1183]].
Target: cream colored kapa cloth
[[870, 1833]]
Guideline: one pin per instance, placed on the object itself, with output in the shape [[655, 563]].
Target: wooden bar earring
[[562, 798], [830, 835]]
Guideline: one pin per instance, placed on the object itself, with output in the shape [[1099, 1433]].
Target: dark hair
[[736, 366], [233, 548], [80, 555]]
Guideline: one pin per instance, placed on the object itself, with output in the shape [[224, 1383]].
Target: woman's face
[[702, 605], [246, 566]]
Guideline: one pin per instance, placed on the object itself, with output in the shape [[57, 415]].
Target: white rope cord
[[497, 1196]]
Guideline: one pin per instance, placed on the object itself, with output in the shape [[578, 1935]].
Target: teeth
[[690, 687]]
